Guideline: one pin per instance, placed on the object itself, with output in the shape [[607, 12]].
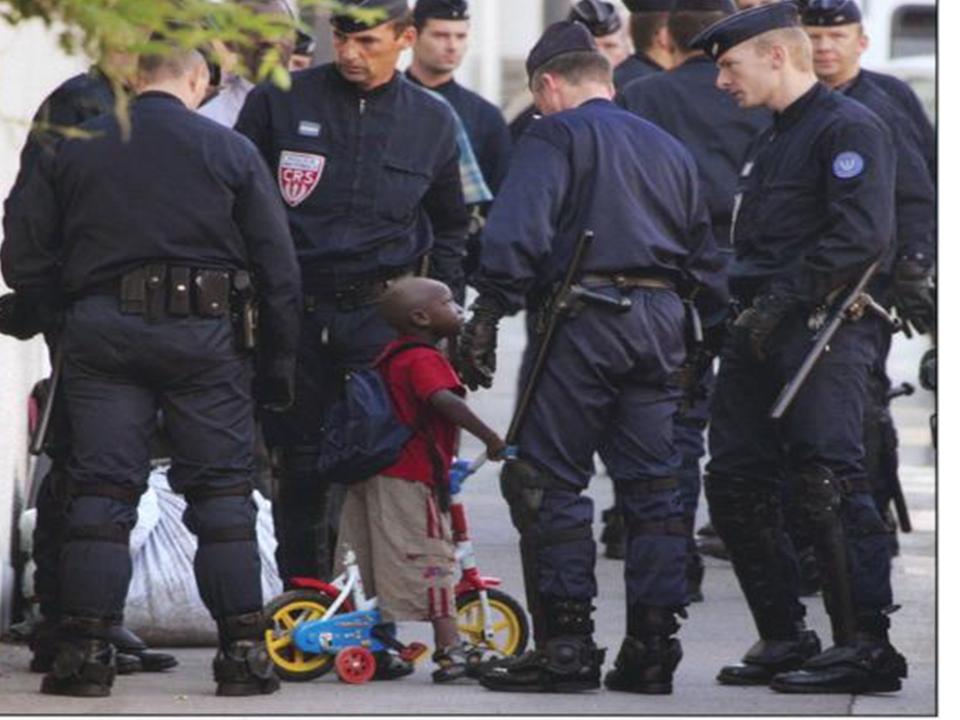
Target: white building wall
[[31, 65]]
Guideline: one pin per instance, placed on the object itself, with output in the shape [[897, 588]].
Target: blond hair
[[794, 40]]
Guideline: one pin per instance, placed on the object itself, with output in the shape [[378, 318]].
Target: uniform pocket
[[403, 183]]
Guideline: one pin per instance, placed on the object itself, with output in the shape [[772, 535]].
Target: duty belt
[[626, 281], [159, 290], [351, 294]]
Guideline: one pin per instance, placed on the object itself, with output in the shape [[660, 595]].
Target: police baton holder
[[852, 308], [560, 304], [39, 438]]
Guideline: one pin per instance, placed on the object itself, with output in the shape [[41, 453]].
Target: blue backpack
[[362, 434]]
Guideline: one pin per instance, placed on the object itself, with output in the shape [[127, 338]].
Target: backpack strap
[[440, 485]]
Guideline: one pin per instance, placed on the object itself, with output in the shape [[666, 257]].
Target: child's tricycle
[[319, 625]]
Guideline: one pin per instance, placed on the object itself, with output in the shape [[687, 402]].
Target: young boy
[[398, 522]]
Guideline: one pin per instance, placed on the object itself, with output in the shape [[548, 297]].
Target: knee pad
[[222, 515], [522, 485], [741, 508], [93, 508]]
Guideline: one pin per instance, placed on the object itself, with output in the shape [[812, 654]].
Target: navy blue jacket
[[687, 104], [385, 186], [75, 101], [634, 67], [816, 199], [910, 104], [489, 136], [916, 199], [181, 190], [598, 167]]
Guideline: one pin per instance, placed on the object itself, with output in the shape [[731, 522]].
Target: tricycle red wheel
[[355, 665]]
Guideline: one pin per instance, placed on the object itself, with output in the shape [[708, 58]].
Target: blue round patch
[[848, 165]]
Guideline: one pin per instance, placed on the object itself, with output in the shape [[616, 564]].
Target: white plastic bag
[[163, 605]]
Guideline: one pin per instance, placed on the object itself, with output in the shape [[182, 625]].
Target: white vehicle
[[899, 29], [903, 42]]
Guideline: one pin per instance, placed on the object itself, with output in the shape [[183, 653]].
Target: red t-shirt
[[412, 377]]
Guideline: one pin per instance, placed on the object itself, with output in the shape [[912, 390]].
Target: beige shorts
[[404, 547]]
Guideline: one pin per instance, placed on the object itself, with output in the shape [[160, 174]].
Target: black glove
[[477, 356], [752, 329], [273, 385], [913, 295], [22, 318], [928, 370]]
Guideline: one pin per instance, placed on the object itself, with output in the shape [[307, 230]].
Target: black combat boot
[[649, 654], [868, 664], [614, 534], [133, 654], [242, 666], [568, 660], [695, 568], [84, 665], [43, 645], [769, 657]]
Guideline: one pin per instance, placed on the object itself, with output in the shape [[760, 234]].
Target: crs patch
[[298, 175], [848, 165]]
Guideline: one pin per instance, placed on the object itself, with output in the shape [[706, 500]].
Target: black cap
[[441, 10], [560, 38], [740, 27], [831, 12], [600, 17], [305, 43], [640, 6], [388, 10], [725, 6]]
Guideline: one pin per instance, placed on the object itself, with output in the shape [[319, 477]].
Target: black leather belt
[[351, 295], [626, 281]]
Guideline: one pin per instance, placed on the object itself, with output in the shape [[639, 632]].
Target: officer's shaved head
[[577, 68], [793, 39], [173, 64]]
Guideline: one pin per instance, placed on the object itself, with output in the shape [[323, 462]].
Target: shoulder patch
[[848, 165]]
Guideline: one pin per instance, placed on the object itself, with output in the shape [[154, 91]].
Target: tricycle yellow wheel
[[286, 612], [510, 628]]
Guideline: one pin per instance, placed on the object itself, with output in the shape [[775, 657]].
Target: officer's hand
[[477, 356], [913, 295], [752, 329], [23, 319], [273, 386]]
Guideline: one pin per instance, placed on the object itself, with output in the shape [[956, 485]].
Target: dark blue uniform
[[633, 68], [607, 385], [915, 240], [372, 185], [687, 103], [908, 102], [815, 209], [181, 192], [77, 100], [485, 126]]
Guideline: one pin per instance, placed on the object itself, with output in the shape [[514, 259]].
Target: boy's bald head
[[406, 303]]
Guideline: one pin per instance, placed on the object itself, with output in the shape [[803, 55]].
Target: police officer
[[648, 30], [605, 24], [234, 88], [686, 103], [589, 165], [140, 240], [443, 28], [78, 99], [367, 164], [838, 39], [814, 212]]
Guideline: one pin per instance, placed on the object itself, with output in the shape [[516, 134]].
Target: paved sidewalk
[[718, 630]]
